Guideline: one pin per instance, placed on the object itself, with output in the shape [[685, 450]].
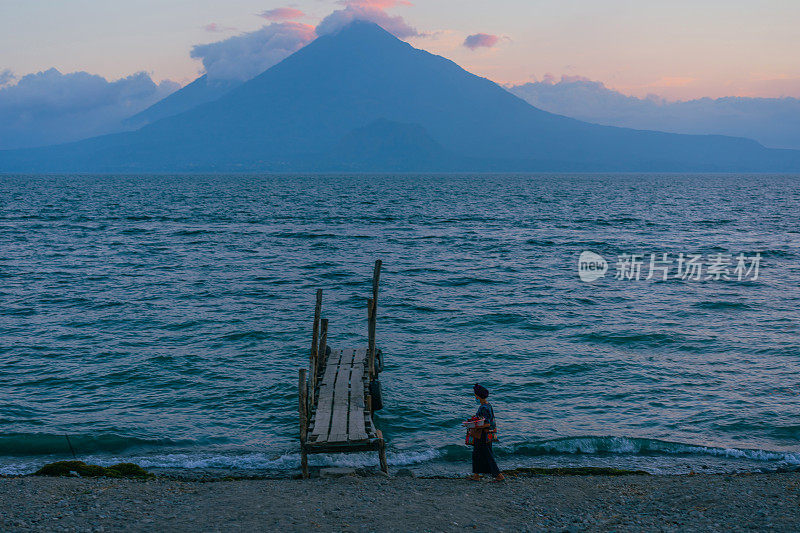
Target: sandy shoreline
[[717, 502]]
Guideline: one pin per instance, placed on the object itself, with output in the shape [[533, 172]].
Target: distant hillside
[[363, 99], [199, 92], [774, 122]]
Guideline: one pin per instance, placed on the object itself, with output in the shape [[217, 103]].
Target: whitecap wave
[[272, 463], [254, 461], [639, 446]]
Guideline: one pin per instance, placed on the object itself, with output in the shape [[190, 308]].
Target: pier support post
[[371, 337], [313, 363], [303, 406], [322, 351], [372, 318], [376, 277], [382, 453]]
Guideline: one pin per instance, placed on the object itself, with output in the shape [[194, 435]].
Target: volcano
[[363, 100]]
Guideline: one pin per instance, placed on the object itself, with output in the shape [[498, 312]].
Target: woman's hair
[[480, 391]]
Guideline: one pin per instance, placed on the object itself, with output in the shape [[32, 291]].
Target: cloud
[[673, 81], [576, 78], [774, 87], [774, 122], [481, 40], [50, 107], [215, 28], [372, 11], [282, 13], [245, 56], [6, 77], [379, 4]]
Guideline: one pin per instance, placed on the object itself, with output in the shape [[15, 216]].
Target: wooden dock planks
[[341, 407], [341, 399]]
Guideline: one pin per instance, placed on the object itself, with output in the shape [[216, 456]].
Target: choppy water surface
[[163, 319]]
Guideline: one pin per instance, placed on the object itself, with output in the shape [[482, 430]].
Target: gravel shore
[[737, 502]]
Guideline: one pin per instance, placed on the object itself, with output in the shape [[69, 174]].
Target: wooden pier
[[339, 391]]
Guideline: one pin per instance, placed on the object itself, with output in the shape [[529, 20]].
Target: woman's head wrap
[[480, 391]]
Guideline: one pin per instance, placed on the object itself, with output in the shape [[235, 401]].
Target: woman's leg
[[476, 463], [493, 468]]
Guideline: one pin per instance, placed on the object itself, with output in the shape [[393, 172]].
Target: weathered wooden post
[[303, 405], [372, 314], [322, 351], [382, 453], [376, 276], [373, 320], [371, 337], [313, 363]]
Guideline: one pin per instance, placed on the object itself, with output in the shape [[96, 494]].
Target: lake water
[[163, 319]]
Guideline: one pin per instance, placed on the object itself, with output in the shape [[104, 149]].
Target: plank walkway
[[341, 407], [335, 401]]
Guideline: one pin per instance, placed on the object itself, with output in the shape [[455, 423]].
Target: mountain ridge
[[196, 93]]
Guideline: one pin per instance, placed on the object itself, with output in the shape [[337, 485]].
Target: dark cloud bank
[[774, 122], [50, 107]]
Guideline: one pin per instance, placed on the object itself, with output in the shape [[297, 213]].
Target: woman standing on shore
[[482, 456]]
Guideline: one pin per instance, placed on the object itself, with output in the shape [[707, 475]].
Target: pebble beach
[[720, 502]]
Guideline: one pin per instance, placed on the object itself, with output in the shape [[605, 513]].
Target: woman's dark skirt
[[483, 460]]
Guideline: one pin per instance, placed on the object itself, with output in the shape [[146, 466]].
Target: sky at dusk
[[675, 49]]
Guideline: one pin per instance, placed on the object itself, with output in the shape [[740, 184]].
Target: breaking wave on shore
[[653, 455]]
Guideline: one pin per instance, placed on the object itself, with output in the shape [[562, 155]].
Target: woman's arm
[[477, 431], [485, 413]]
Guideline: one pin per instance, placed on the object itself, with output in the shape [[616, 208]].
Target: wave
[[721, 305], [621, 446], [717, 222], [569, 369], [462, 281], [302, 235], [592, 445], [192, 232], [32, 444], [109, 450], [542, 242], [246, 335], [629, 340], [239, 462], [768, 254]]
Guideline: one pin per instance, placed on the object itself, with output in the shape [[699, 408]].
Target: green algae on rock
[[70, 468]]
